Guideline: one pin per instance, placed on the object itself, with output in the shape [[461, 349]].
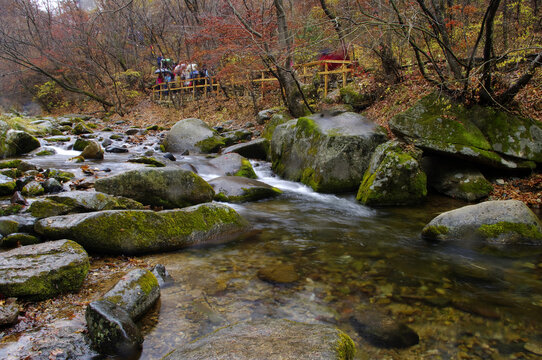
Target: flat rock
[[255, 149], [279, 274], [238, 189], [233, 165], [269, 339], [383, 331]]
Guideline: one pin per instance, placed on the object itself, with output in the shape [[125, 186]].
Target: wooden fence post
[[326, 80]]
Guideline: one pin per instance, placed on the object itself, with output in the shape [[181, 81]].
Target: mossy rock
[[43, 271], [57, 139], [270, 339], [255, 149], [350, 95], [10, 163], [394, 177], [235, 189], [276, 120], [7, 185], [233, 164], [46, 152], [81, 144], [144, 231], [193, 135], [17, 143], [60, 175], [33, 188], [80, 129], [19, 239], [148, 161]]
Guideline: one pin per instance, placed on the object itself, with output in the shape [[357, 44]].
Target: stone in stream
[[19, 239], [505, 222], [269, 339], [479, 134], [81, 144], [255, 149], [33, 188], [111, 330], [7, 185], [80, 201], [162, 275], [394, 177], [52, 185], [279, 274], [383, 331], [149, 160], [136, 292], [16, 143], [455, 179], [238, 189], [80, 128], [329, 152], [167, 187], [43, 271], [194, 136], [93, 151], [9, 312], [233, 137], [233, 165], [144, 231]]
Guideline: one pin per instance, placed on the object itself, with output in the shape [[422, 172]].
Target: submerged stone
[[269, 339], [280, 274], [383, 331]]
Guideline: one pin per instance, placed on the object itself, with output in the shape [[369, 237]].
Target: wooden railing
[[209, 85]]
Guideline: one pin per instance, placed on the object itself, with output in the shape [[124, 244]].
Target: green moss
[[115, 137], [153, 127], [434, 232], [308, 127], [10, 209], [81, 128], [246, 170], [346, 350], [47, 207], [10, 163], [525, 231], [58, 139], [19, 239], [80, 144], [211, 145], [480, 187], [147, 282], [12, 173], [62, 176], [148, 160], [7, 188], [45, 153], [275, 121]]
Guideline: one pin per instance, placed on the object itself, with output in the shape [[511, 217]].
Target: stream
[[464, 301]]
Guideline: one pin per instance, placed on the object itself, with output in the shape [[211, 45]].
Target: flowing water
[[463, 300]]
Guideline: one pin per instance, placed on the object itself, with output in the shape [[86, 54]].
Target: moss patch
[[525, 232], [211, 145], [246, 170], [434, 232]]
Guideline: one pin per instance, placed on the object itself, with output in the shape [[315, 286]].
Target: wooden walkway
[[192, 89]]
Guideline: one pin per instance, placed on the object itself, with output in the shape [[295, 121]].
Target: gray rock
[[52, 186], [19, 239], [454, 179], [7, 185], [93, 151], [8, 225], [269, 339], [162, 275], [232, 137], [80, 201], [43, 271], [265, 115], [233, 164], [329, 152], [144, 231], [111, 330], [81, 144], [81, 128], [116, 149], [192, 135], [9, 312], [383, 331], [394, 177], [237, 189], [17, 143], [497, 222], [33, 188], [17, 223], [255, 149], [136, 292], [131, 131], [167, 187]]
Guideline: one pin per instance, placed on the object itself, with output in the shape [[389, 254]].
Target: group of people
[[181, 73]]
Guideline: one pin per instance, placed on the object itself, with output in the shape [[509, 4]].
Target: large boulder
[[7, 185], [394, 177], [456, 179], [93, 151], [144, 231], [80, 201], [483, 135], [43, 271], [255, 149], [194, 136], [166, 187], [269, 339], [497, 222], [329, 151], [238, 189], [233, 165], [17, 142]]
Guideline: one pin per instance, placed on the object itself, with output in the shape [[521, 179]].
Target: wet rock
[[8, 226], [17, 143], [255, 149], [454, 179], [383, 331], [81, 128], [328, 152], [232, 137], [192, 135], [136, 292], [106, 143], [81, 144], [131, 131], [17, 223], [52, 186], [19, 239], [33, 188], [80, 201], [162, 275], [7, 185], [265, 115], [111, 330], [278, 274], [26, 166], [46, 152], [18, 198], [116, 149], [9, 312], [151, 161], [394, 177], [234, 165], [496, 222], [93, 151], [43, 271], [144, 231], [170, 156], [167, 187], [238, 189], [60, 175], [57, 139], [269, 339]]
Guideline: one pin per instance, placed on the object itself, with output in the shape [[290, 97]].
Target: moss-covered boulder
[[44, 270], [93, 151], [136, 292], [19, 239], [276, 120], [145, 231], [237, 189], [508, 222], [329, 151], [352, 96], [80, 144], [148, 160], [233, 164], [7, 185], [483, 135], [234, 136], [60, 175], [81, 128], [194, 136], [394, 177], [33, 188], [16, 142], [456, 179], [167, 187], [255, 149], [269, 339], [80, 201]]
